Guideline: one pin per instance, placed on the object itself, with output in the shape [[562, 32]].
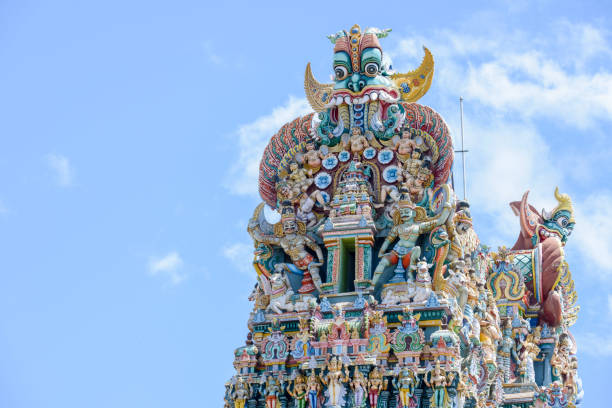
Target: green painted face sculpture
[[370, 72], [407, 214], [558, 224]]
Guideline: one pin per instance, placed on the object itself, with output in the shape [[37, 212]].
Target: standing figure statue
[[359, 385], [506, 351], [299, 391], [314, 388], [290, 235], [437, 382], [241, 393], [407, 229], [334, 380], [528, 356], [273, 389], [375, 386], [405, 384]]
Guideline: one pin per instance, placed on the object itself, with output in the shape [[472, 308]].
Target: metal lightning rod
[[462, 151]]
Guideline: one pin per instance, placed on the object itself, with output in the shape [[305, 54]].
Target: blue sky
[[129, 137]]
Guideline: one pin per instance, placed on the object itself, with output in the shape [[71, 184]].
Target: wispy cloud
[[240, 256], [212, 56], [525, 76], [595, 344], [3, 208], [62, 169], [168, 266], [252, 140], [593, 232]]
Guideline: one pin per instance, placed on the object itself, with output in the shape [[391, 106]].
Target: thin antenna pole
[[462, 147]]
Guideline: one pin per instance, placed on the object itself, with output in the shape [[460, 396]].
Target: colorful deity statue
[[528, 355], [299, 179], [241, 392], [314, 389], [299, 391], [359, 385], [290, 235], [312, 158], [375, 386], [405, 144], [281, 293], [407, 230], [357, 142], [405, 383], [506, 351], [334, 380], [273, 388], [422, 282], [437, 382]]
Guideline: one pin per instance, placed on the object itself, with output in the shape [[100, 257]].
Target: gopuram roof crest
[[373, 289]]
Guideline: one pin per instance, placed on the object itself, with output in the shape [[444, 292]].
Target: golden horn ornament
[[414, 84], [318, 94]]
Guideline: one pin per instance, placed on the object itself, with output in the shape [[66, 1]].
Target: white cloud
[[593, 232], [526, 76], [3, 208], [529, 84], [252, 140], [168, 266], [595, 344], [241, 257], [64, 172], [211, 54]]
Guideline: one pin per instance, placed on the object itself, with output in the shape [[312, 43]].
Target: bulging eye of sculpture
[[371, 69], [562, 222], [340, 72]]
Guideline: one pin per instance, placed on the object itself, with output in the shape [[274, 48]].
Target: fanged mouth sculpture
[[366, 95], [545, 233]]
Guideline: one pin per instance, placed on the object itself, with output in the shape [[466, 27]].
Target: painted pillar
[[333, 264], [363, 260]]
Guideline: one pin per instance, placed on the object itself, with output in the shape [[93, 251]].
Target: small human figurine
[[419, 185], [242, 391], [314, 387], [560, 359], [422, 281], [357, 143], [461, 390], [438, 383], [528, 356], [405, 384], [405, 145], [359, 385], [273, 389], [227, 397], [506, 351], [388, 192], [407, 229], [299, 391], [412, 165], [299, 179], [294, 243], [334, 380], [375, 386], [312, 158]]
